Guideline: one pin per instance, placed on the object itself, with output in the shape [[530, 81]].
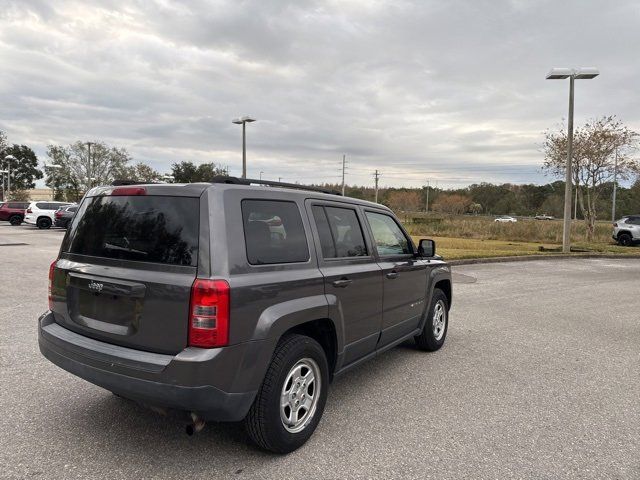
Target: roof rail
[[249, 181]]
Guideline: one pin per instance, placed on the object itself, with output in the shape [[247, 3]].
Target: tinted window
[[142, 228], [387, 234], [324, 231], [17, 205], [273, 232], [42, 206], [340, 232], [633, 220]]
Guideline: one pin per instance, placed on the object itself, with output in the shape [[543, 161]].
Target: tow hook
[[196, 424]]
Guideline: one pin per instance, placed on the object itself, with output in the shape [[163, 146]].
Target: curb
[[532, 258]]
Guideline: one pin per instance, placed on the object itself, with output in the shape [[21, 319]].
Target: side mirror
[[426, 248]]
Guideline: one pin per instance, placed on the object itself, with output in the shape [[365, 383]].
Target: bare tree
[[452, 203], [405, 201], [598, 147], [85, 167]]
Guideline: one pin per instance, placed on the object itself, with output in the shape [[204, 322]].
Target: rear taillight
[[52, 269], [128, 191], [209, 314], [58, 214], [29, 210]]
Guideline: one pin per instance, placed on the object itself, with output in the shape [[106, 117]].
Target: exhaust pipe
[[196, 424]]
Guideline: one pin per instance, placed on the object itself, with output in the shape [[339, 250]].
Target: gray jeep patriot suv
[[235, 301]]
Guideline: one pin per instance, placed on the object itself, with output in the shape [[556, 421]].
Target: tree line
[[603, 155]]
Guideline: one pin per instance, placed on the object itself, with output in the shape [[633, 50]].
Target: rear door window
[[141, 228], [339, 231], [273, 232], [42, 206]]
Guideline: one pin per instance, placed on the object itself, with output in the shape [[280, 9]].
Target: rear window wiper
[[110, 246]]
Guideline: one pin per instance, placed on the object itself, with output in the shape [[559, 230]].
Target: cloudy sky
[[447, 91]]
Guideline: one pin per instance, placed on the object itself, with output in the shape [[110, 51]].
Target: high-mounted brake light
[[209, 313], [52, 269], [128, 191]]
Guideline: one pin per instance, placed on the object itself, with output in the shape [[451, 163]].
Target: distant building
[[36, 194]]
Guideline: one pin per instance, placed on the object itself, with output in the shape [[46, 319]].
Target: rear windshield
[[141, 228]]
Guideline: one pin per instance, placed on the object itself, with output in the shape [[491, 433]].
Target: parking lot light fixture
[[584, 73], [243, 121]]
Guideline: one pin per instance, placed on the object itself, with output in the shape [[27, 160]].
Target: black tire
[[43, 223], [625, 239], [428, 339], [15, 220], [263, 423]]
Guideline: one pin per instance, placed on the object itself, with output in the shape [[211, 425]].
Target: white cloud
[[450, 91]]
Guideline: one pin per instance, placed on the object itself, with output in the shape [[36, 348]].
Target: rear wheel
[[435, 327], [43, 223], [290, 402], [15, 220], [625, 239]]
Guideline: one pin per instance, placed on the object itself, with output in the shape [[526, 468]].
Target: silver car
[[626, 231]]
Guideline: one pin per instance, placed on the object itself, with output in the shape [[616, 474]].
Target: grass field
[[461, 237]]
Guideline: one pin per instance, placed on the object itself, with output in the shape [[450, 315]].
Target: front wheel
[[435, 327], [43, 223], [290, 402], [15, 220]]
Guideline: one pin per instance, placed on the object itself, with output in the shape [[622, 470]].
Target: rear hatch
[[126, 269]]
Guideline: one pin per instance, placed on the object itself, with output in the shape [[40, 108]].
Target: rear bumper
[[30, 219], [172, 381]]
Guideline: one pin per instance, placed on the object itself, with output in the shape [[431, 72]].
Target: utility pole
[[575, 211], [427, 205], [376, 176], [615, 188], [89, 166], [344, 167]]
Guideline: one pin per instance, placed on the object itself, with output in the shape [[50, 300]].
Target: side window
[[390, 240], [42, 206], [340, 232], [324, 231], [634, 220], [273, 232]]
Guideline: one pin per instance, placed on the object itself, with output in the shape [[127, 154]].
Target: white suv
[[41, 214], [626, 231]]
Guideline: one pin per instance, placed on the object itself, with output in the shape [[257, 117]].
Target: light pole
[[9, 159], [4, 193], [89, 169], [615, 188], [261, 172], [585, 73], [243, 121]]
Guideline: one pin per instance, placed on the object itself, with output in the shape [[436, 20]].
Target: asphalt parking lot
[[538, 379]]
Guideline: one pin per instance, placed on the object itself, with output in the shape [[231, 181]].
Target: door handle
[[342, 283], [392, 274]]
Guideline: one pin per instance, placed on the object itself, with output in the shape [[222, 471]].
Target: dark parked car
[[64, 215], [13, 212], [235, 302]]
